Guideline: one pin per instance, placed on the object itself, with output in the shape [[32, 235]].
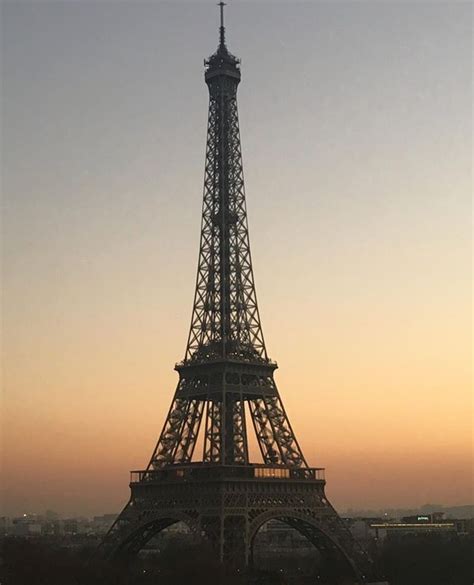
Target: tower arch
[[133, 535], [327, 543]]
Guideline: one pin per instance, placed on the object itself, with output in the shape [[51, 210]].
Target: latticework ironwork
[[226, 387]]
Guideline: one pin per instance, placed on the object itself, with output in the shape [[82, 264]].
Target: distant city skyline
[[461, 511], [356, 147]]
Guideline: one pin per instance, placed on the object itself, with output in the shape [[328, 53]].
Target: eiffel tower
[[226, 385]]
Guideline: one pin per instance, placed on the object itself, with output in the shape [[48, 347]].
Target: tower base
[[227, 505]]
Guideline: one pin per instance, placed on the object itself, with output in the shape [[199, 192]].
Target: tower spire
[[222, 28]]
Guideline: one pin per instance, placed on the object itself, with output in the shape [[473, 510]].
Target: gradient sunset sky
[[356, 134]]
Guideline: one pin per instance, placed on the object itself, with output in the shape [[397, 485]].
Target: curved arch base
[[229, 513]]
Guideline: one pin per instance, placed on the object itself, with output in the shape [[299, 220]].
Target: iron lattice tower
[[226, 379]]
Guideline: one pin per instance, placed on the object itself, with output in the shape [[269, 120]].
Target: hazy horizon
[[342, 512], [357, 157]]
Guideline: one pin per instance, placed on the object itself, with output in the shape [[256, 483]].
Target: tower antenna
[[222, 28]]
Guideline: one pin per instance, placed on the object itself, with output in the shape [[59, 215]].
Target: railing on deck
[[205, 471]]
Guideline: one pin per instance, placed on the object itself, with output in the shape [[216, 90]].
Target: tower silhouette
[[226, 385]]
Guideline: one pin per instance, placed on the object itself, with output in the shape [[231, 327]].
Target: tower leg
[[228, 536], [235, 542]]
